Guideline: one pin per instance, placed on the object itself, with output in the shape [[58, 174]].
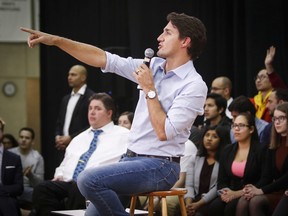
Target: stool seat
[[180, 192]]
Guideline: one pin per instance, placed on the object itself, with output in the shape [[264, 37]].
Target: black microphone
[[149, 53]]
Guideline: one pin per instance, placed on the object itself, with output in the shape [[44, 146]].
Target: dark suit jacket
[[252, 172], [12, 182], [79, 121]]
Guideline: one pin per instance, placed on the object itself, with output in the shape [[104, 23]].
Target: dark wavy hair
[[220, 102], [12, 139], [224, 135], [192, 27], [242, 104]]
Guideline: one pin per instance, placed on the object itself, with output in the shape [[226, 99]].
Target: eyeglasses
[[239, 126], [216, 89], [279, 119], [260, 77]]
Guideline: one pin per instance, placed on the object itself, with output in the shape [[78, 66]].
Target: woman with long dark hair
[[201, 176]]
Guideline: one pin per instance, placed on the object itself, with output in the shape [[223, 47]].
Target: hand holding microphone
[[148, 55], [143, 74]]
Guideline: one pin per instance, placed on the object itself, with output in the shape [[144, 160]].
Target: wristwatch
[[151, 94]]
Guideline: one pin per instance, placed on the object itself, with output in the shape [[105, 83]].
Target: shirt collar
[[105, 128], [181, 71], [81, 90]]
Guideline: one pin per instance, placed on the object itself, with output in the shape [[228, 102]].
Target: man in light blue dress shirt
[[171, 96]]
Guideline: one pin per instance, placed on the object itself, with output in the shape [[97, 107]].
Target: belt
[[130, 153]]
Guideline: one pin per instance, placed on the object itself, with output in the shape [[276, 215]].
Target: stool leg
[[151, 206], [182, 205], [133, 205], [164, 206]]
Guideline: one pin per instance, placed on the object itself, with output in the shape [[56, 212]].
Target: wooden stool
[[180, 192]]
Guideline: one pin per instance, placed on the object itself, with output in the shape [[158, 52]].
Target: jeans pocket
[[169, 174]]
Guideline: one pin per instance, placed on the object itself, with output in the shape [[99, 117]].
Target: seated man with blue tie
[[101, 144]]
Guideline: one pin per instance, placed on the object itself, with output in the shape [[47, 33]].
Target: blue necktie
[[82, 162]]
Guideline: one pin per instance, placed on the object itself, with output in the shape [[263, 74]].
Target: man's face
[[75, 78], [25, 139], [272, 103], [169, 42], [98, 116], [262, 81], [211, 111], [218, 88]]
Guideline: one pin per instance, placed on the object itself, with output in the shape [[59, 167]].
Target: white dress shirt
[[70, 108], [111, 145], [227, 112]]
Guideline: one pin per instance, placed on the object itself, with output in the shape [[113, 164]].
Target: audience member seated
[[214, 111], [125, 119], [101, 144], [222, 85], [32, 163], [261, 199], [243, 104], [11, 179], [202, 173], [265, 81], [277, 96], [9, 141], [240, 164]]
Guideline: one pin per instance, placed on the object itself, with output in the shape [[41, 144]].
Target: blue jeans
[[102, 185]]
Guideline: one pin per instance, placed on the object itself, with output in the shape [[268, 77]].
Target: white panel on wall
[[13, 15]]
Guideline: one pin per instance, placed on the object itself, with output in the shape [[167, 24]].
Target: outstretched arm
[[86, 53]]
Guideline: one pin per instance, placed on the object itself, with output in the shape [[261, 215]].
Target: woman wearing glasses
[[240, 164], [262, 200]]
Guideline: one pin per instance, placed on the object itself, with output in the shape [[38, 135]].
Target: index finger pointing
[[27, 30]]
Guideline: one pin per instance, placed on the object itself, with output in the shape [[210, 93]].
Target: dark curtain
[[239, 33]]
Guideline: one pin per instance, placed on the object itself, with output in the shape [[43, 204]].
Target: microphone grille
[[149, 53]]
